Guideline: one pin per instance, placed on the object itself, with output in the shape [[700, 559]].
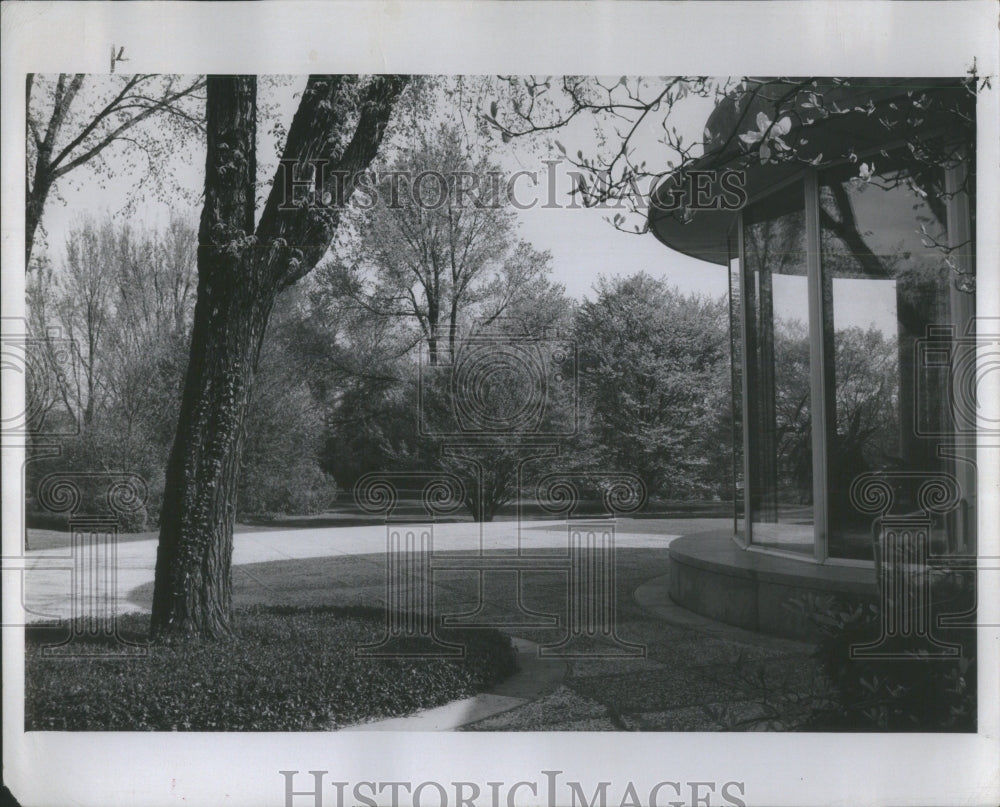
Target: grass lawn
[[291, 669]]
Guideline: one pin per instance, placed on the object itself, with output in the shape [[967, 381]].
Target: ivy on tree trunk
[[241, 271]]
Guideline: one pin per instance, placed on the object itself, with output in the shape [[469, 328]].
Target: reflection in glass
[[778, 383], [885, 281]]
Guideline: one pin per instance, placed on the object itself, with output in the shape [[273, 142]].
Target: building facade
[[851, 260]]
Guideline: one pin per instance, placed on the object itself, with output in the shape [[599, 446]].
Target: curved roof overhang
[[821, 141]]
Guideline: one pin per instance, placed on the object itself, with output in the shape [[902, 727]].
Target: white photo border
[[718, 38]]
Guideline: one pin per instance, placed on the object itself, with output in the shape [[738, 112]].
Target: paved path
[[48, 573], [533, 679]]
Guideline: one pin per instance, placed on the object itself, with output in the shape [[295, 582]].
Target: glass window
[[885, 283], [779, 475]]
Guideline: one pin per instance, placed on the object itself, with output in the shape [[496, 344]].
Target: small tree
[[498, 416]]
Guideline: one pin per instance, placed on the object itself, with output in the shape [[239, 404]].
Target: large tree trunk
[[192, 592], [193, 578], [240, 274]]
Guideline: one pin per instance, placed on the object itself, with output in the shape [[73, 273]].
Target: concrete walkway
[[665, 669], [533, 679], [48, 573]]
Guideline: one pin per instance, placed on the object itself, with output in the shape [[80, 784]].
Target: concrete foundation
[[712, 576]]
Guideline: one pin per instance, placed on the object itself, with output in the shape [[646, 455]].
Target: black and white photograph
[[444, 392]]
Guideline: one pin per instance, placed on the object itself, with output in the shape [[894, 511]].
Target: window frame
[[959, 232]]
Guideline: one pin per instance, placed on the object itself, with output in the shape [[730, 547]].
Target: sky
[[583, 245]]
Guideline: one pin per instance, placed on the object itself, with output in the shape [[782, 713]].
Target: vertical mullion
[[744, 380], [961, 316], [733, 285], [817, 373]]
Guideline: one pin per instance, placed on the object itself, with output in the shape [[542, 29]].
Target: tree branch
[[117, 133], [305, 231]]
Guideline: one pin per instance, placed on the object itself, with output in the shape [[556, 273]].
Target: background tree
[[434, 263], [125, 296], [508, 401], [439, 246], [361, 368], [80, 306], [281, 473], [73, 120], [654, 383], [120, 305], [392, 413]]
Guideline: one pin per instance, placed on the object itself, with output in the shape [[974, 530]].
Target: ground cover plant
[[289, 669]]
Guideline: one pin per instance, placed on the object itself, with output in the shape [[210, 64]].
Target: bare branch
[[117, 133]]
